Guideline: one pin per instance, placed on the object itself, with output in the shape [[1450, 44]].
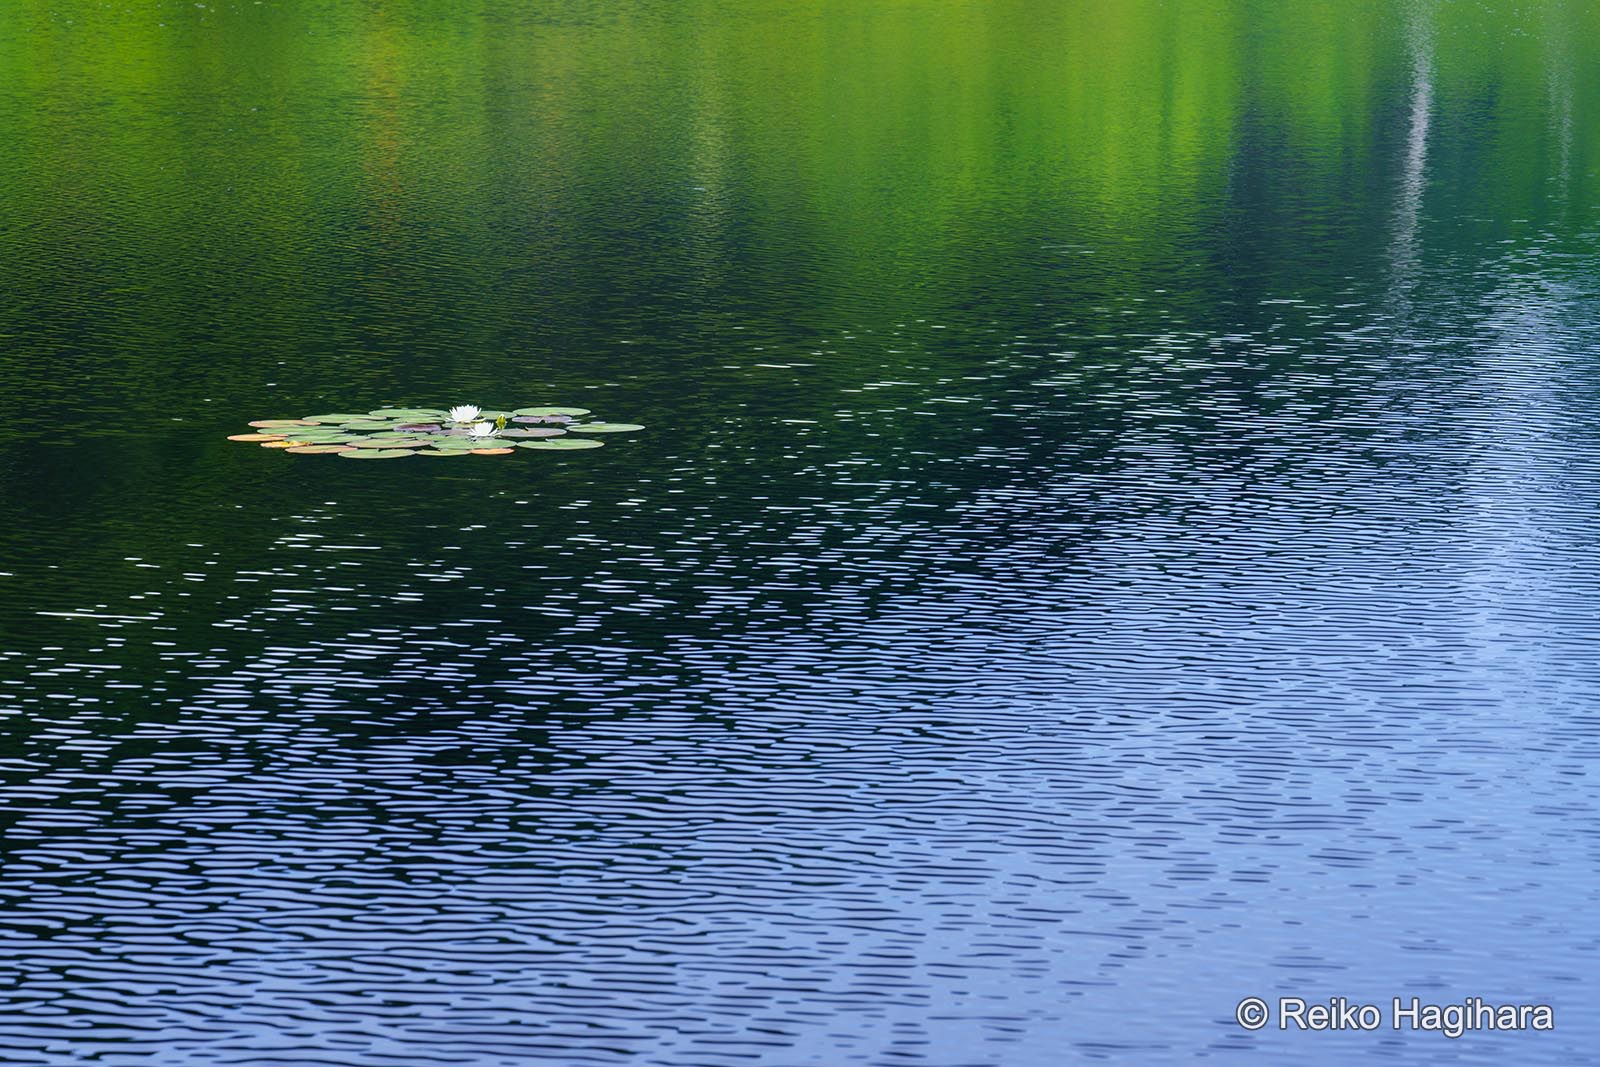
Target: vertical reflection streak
[[1413, 175]]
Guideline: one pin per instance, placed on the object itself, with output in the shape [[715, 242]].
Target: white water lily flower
[[464, 413], [482, 429]]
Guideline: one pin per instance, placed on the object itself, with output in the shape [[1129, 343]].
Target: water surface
[[1115, 532]]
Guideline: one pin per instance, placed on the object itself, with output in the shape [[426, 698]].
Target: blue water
[[1027, 626]]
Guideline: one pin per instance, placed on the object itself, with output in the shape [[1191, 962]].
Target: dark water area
[[1115, 532]]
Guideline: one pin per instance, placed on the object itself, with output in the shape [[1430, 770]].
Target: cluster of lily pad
[[464, 430]]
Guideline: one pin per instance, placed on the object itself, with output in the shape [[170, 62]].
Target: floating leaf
[[376, 453], [391, 442], [564, 443], [390, 433], [606, 427]]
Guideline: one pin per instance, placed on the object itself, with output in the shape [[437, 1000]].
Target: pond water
[[1114, 534]]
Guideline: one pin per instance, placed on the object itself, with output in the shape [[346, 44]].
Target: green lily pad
[[376, 453], [564, 444], [318, 433], [391, 442], [390, 433], [606, 427]]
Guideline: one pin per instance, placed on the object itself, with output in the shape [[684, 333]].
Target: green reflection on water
[[319, 205], [895, 147]]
